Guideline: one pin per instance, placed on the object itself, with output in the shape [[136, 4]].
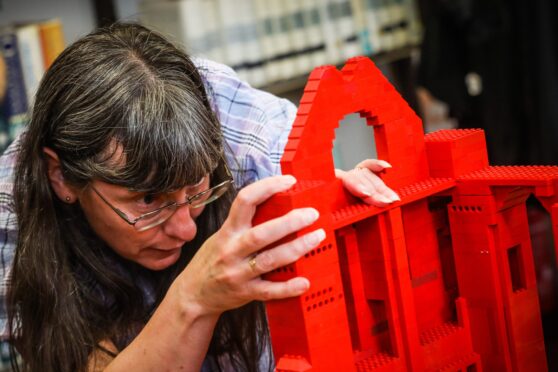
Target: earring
[[68, 199]]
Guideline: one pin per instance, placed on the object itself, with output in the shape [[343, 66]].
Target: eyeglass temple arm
[[116, 210]]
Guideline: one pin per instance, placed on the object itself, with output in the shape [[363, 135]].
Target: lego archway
[[359, 87]]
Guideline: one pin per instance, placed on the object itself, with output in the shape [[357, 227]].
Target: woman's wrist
[[185, 301]]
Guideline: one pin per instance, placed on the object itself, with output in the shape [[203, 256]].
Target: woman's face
[[156, 248]]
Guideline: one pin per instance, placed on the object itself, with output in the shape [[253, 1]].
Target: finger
[[364, 184], [376, 200], [377, 186], [375, 165], [244, 206], [355, 183], [270, 231], [265, 290], [284, 254]]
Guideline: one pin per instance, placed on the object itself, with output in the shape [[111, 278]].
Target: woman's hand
[[365, 184], [225, 272]]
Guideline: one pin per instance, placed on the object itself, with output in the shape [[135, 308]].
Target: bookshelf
[[274, 44], [32, 34], [287, 87], [77, 16]]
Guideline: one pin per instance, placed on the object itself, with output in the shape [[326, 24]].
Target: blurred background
[[490, 64]]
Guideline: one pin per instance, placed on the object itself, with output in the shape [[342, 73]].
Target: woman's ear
[[65, 192]]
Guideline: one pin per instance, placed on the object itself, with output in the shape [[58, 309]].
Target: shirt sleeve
[[255, 124], [8, 228]]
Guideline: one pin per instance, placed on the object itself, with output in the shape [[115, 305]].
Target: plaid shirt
[[255, 125]]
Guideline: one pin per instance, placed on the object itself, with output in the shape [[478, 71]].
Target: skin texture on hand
[[363, 182], [221, 275]]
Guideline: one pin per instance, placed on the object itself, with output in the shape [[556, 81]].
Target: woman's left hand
[[363, 182]]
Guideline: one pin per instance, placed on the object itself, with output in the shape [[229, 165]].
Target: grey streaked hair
[[141, 93], [125, 106]]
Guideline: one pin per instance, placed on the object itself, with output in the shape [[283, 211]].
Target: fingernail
[[314, 238], [384, 164], [385, 199], [311, 215], [393, 197], [301, 284], [289, 180], [364, 191]]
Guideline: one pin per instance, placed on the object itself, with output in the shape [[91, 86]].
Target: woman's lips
[[167, 249]]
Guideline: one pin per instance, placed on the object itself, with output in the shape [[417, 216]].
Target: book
[[327, 20], [294, 12], [231, 30], [414, 29], [385, 17], [284, 52], [316, 40], [181, 21], [373, 25], [31, 57], [266, 35], [398, 23], [361, 27], [52, 40], [251, 47], [14, 107], [314, 34], [346, 33], [214, 47]]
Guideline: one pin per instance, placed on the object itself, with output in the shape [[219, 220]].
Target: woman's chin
[[158, 259]]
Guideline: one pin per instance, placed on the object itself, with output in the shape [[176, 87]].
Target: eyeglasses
[[159, 215]]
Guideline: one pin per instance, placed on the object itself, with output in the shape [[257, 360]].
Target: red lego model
[[441, 281]]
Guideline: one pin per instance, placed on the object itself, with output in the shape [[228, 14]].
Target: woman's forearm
[[176, 338]]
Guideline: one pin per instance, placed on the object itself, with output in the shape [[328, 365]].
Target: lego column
[[310, 332], [495, 272], [441, 319]]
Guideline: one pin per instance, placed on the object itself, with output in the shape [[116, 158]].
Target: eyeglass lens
[[150, 220]]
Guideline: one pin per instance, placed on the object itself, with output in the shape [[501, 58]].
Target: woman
[[133, 250]]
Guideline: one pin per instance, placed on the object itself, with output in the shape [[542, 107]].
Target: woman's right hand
[[226, 271]]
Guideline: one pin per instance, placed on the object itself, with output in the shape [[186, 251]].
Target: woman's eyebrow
[[132, 193], [198, 183]]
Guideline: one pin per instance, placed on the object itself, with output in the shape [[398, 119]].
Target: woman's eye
[[148, 199]]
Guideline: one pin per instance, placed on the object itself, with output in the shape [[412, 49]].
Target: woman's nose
[[181, 225]]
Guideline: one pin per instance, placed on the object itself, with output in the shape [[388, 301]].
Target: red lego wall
[[442, 280]]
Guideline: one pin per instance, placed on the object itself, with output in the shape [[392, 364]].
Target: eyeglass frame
[[175, 205]]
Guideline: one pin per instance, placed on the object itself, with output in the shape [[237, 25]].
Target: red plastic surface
[[442, 280]]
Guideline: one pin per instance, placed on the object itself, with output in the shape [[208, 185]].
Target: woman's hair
[[124, 85]]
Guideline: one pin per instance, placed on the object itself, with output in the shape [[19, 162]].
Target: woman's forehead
[[141, 172]]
